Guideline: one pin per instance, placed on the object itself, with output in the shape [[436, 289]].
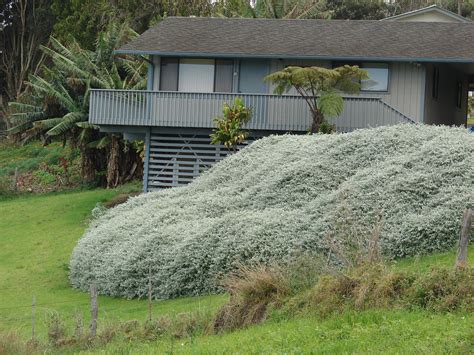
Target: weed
[[252, 292], [56, 329]]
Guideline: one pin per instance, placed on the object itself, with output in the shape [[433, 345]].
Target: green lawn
[[38, 234], [376, 331]]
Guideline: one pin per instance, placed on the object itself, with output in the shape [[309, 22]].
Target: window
[[169, 74], [224, 75], [459, 93], [252, 73], [196, 75], [435, 88], [378, 77]]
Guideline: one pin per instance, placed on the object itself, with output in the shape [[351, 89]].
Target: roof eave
[[287, 56]]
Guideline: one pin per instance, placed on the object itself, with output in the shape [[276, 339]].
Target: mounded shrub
[[282, 196]]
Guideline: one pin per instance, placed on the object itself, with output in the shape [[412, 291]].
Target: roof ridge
[[265, 19]]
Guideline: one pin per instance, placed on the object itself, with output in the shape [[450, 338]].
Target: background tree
[[24, 26], [277, 9], [357, 9], [321, 88], [85, 18], [57, 104]]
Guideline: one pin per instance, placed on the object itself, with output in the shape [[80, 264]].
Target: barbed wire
[[105, 310]]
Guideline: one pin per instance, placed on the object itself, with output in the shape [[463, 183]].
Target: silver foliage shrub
[[280, 197]]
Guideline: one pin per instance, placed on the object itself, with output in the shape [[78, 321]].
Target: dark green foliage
[[83, 19], [357, 9], [57, 104]]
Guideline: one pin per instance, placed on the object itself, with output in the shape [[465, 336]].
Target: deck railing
[[269, 112]]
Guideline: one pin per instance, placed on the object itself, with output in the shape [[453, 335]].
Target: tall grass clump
[[280, 197]]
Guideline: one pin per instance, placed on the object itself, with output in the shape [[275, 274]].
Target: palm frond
[[331, 103], [87, 125], [23, 107], [48, 123], [67, 123], [20, 128], [100, 144]]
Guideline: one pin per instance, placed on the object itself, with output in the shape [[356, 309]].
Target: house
[[419, 73], [432, 13]]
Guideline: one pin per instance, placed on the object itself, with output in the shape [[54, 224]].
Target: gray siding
[[406, 84], [406, 89]]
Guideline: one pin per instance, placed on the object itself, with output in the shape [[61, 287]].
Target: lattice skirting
[[177, 158]]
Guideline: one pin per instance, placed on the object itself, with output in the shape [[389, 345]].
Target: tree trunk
[[113, 163], [88, 164], [318, 119]]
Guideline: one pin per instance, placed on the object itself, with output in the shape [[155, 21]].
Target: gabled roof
[[315, 39], [451, 16]]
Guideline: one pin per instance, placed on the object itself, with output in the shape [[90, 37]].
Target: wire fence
[[106, 311]]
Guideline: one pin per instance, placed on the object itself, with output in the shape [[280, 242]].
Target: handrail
[[367, 98], [197, 110], [397, 111]]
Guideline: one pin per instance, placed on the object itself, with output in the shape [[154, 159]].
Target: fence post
[[149, 295], [461, 260], [94, 309]]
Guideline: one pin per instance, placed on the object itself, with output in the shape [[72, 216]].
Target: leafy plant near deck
[[280, 197], [229, 127]]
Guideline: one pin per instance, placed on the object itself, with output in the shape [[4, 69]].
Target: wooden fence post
[[461, 260], [149, 295], [94, 309]]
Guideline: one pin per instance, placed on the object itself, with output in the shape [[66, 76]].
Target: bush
[[375, 286], [252, 291], [281, 197]]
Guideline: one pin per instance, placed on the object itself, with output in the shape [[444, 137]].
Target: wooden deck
[[197, 110]]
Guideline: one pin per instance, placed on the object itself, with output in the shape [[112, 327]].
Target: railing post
[[175, 177]]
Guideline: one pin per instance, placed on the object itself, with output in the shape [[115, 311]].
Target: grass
[[375, 331], [40, 168], [39, 233], [29, 157], [37, 236]]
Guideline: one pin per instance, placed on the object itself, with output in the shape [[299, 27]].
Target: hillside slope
[[281, 196]]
